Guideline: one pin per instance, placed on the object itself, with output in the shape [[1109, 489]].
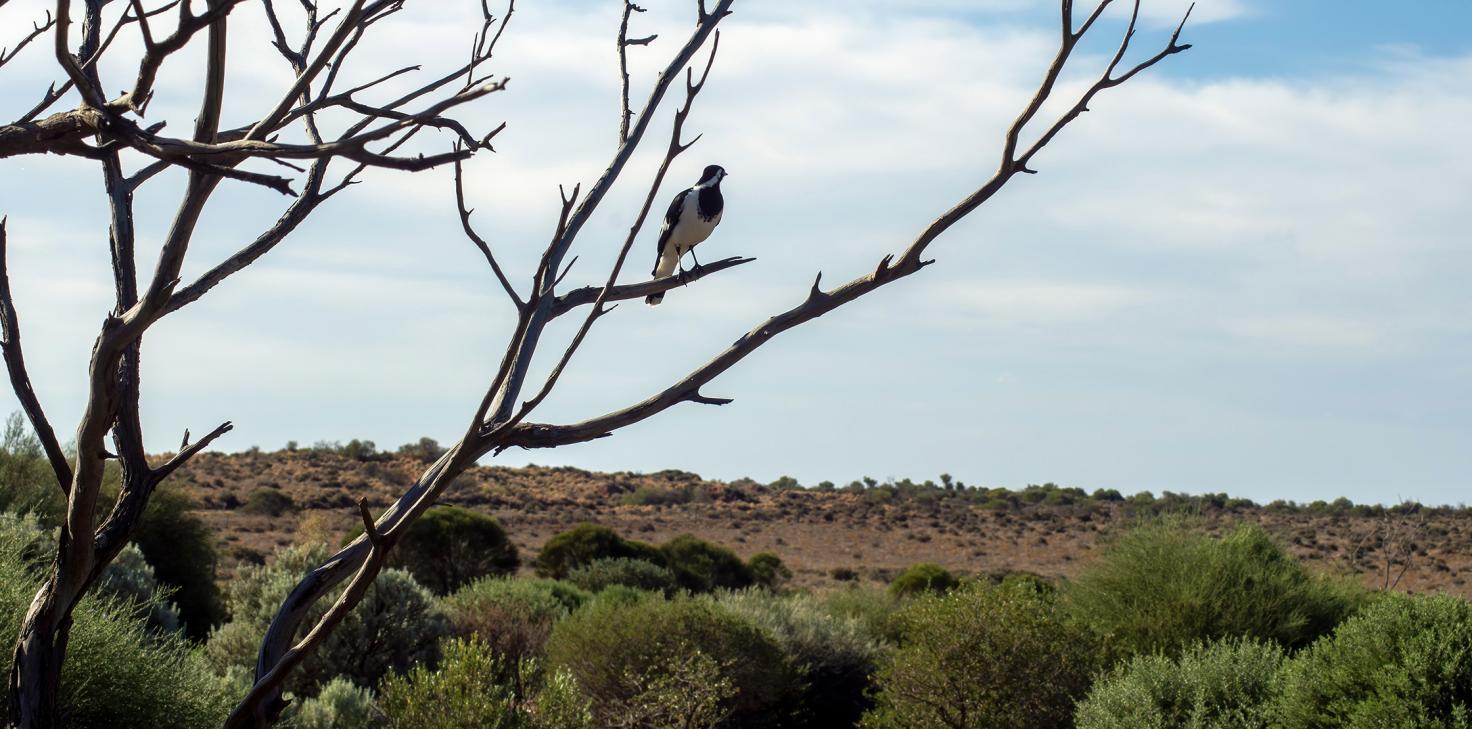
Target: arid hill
[[259, 501]]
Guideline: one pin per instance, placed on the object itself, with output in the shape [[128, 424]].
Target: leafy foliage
[[588, 543], [397, 624], [512, 617], [27, 483], [984, 657], [167, 685], [1402, 662], [468, 691], [768, 570], [922, 578], [464, 692], [1224, 685], [701, 566], [627, 656], [181, 550], [635, 573], [340, 705], [1161, 587], [834, 655], [450, 546]]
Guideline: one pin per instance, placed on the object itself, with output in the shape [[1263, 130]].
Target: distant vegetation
[[1166, 626]]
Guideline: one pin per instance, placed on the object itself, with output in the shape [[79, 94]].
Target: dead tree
[[326, 123], [503, 419]]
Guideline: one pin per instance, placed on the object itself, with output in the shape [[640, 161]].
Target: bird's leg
[[681, 261], [692, 256]]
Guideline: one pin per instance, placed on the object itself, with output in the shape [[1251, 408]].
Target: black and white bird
[[693, 214]]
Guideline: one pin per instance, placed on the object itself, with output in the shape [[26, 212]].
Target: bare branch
[[479, 242], [36, 30], [20, 380], [623, 66]]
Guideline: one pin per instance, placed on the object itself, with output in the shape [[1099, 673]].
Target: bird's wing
[[671, 218]]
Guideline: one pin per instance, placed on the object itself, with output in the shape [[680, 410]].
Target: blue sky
[[1245, 273]]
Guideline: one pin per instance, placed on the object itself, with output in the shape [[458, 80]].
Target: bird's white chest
[[692, 228]]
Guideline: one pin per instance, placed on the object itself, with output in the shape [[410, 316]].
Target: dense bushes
[[588, 543], [450, 546], [1223, 685], [341, 705], [468, 692], [984, 657], [922, 578], [700, 566], [768, 570], [397, 624], [644, 663], [1162, 587], [635, 573], [118, 672], [833, 655], [181, 550], [513, 618], [1402, 662]]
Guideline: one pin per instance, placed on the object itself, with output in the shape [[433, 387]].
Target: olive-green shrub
[[469, 690], [701, 566], [834, 655], [768, 571], [118, 672], [635, 573], [874, 610], [1162, 587], [1403, 662], [397, 624], [450, 546], [181, 549], [922, 578], [340, 705], [588, 543], [513, 617], [1228, 684], [636, 661], [984, 657]]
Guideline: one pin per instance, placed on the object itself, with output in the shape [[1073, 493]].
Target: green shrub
[[266, 501], [1223, 685], [449, 546], [834, 655], [767, 570], [635, 573], [397, 624], [340, 705], [923, 578], [468, 690], [700, 566], [1402, 662], [1161, 588], [873, 610], [588, 543], [655, 656], [181, 549], [129, 578], [464, 692], [514, 617], [984, 657], [118, 672], [27, 483]]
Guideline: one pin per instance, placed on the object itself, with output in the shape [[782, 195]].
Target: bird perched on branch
[[693, 214]]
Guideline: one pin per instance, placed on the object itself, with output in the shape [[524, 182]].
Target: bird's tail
[[654, 299]]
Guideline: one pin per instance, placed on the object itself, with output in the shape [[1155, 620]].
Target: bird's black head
[[712, 175]]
